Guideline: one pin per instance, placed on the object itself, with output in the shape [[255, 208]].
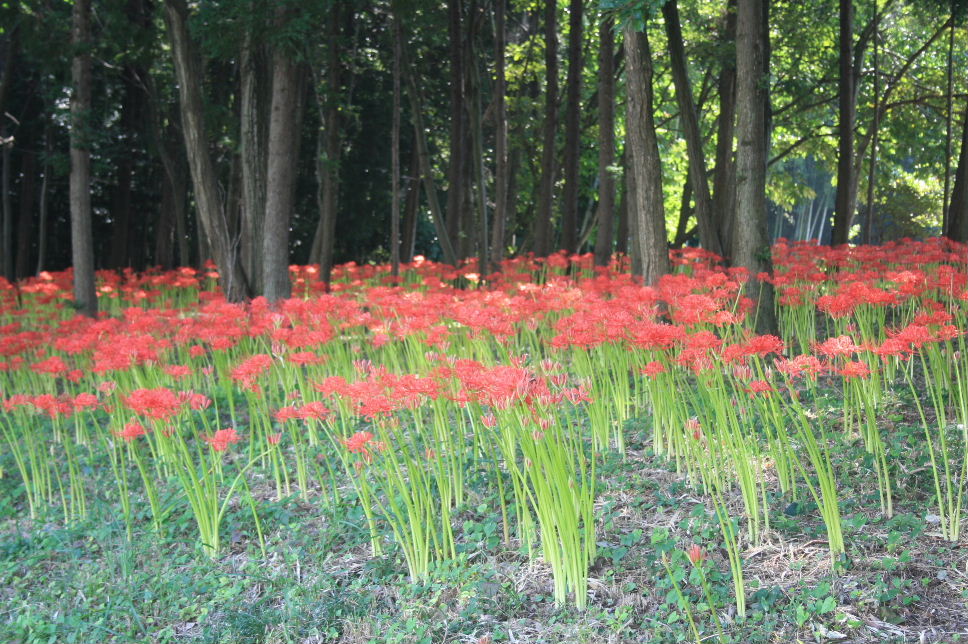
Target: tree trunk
[[456, 170], [26, 220], [949, 117], [724, 175], [395, 151], [423, 154], [254, 107], [6, 208], [708, 232], [958, 210], [569, 208], [283, 155], [476, 132], [211, 213], [82, 239], [606, 141], [42, 206], [751, 249], [644, 172], [543, 232], [411, 211], [500, 139], [848, 112], [872, 168]]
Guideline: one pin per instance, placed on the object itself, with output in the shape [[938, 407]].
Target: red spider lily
[[760, 387], [855, 369], [842, 345], [222, 439], [159, 403], [357, 444], [132, 431]]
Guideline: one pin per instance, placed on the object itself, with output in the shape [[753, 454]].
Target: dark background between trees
[[260, 134]]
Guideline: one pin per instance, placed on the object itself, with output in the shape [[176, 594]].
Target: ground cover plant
[[553, 453]]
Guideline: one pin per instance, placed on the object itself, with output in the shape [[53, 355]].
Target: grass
[[318, 582]]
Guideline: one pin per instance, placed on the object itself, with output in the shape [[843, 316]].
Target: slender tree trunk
[[456, 170], [500, 138], [410, 211], [708, 231], [569, 208], [477, 145], [6, 209], [25, 224], [949, 118], [285, 118], [872, 168], [751, 248], [395, 151], [82, 239], [623, 228], [644, 172], [848, 109], [254, 107], [211, 213], [958, 210], [724, 176], [606, 141], [423, 154], [543, 232], [42, 206]]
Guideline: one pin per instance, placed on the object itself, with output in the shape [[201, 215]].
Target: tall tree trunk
[[423, 154], [751, 248], [6, 208], [843, 212], [543, 232], [872, 168], [211, 213], [606, 141], [724, 175], [456, 169], [283, 154], [82, 239], [411, 211], [121, 207], [949, 117], [25, 224], [500, 138], [569, 208], [958, 210], [395, 151], [708, 231], [254, 107], [44, 193], [644, 172]]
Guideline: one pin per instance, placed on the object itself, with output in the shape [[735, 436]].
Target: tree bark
[[708, 231], [211, 213], [281, 172], [254, 105], [958, 210], [500, 138], [25, 224], [42, 206], [395, 151], [410, 211], [644, 173], [423, 154], [724, 175], [751, 249], [456, 169], [606, 141], [843, 212], [569, 208], [949, 118], [543, 232], [82, 239]]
